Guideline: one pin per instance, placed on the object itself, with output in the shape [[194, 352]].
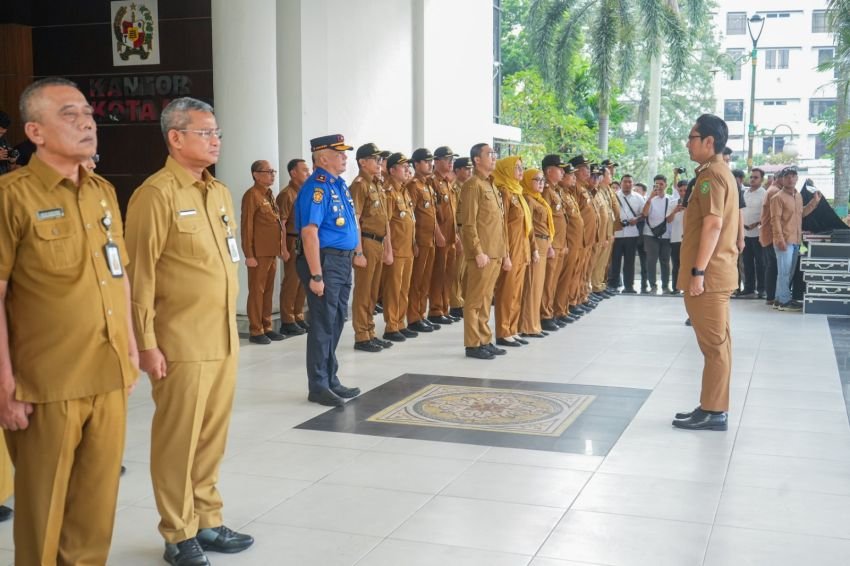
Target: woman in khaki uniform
[[542, 232], [507, 177]]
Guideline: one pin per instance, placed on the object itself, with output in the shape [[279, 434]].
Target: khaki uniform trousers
[[532, 292], [396, 289], [599, 278], [441, 278], [292, 294], [367, 284], [574, 296], [553, 272], [561, 305], [260, 289], [480, 284], [586, 269], [188, 437], [420, 284], [509, 300], [457, 276], [67, 464], [709, 314]]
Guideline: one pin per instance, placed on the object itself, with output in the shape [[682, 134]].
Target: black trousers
[[675, 249], [623, 255], [327, 317], [641, 252], [798, 286], [770, 272], [753, 265]]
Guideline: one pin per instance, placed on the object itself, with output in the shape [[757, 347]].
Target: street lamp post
[[755, 20], [789, 148]]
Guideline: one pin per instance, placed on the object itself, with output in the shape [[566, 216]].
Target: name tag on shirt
[[187, 212], [233, 248], [113, 260], [50, 214]]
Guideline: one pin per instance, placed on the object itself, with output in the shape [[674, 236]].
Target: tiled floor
[[773, 490]]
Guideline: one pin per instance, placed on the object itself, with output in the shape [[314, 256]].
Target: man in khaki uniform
[[292, 293], [599, 270], [709, 270], [262, 234], [590, 216], [553, 170], [613, 205], [444, 256], [371, 211], [485, 247], [428, 235], [462, 172], [564, 308], [182, 242], [67, 351], [397, 273]]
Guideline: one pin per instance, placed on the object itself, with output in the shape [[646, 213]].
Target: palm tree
[[612, 27], [838, 14]]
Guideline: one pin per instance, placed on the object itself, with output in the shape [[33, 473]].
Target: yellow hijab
[[528, 186], [503, 176]]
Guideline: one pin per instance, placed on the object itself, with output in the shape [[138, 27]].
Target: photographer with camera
[[677, 228], [8, 155], [656, 239], [626, 237]]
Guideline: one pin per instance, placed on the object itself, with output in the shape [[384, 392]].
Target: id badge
[[234, 249], [113, 260]]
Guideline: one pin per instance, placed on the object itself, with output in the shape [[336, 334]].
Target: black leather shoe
[[700, 420], [455, 318], [383, 343], [681, 416], [540, 335], [440, 319], [367, 346], [259, 339], [688, 322], [346, 392], [303, 324], [325, 397], [456, 312], [628, 291], [589, 305], [222, 539], [578, 310], [433, 326], [420, 326], [186, 553], [509, 343], [549, 324], [494, 350], [274, 336], [408, 333], [560, 323], [565, 319], [123, 471], [479, 353], [521, 341], [6, 512], [394, 336], [291, 329], [379, 308]]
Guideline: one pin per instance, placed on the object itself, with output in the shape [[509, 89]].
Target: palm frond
[[652, 24], [603, 42], [626, 49], [678, 42]]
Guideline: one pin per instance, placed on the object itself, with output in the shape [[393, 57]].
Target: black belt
[[292, 235], [379, 239], [335, 251], [541, 236]]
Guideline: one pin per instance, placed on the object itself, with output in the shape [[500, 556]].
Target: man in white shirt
[[657, 209], [626, 238], [677, 228], [753, 257]]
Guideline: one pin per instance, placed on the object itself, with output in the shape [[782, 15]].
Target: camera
[[624, 223], [680, 170], [14, 154]]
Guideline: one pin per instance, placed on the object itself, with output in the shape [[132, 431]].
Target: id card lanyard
[[232, 247], [110, 249]]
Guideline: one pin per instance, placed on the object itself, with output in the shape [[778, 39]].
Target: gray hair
[[26, 105], [175, 116]]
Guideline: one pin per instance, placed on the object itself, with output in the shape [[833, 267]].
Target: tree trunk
[[604, 111], [654, 125], [643, 110], [842, 146]]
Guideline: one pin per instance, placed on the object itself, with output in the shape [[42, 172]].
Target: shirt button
[[88, 226], [102, 282], [109, 312], [96, 254]]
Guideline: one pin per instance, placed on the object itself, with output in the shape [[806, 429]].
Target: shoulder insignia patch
[[704, 187], [318, 195], [321, 178]]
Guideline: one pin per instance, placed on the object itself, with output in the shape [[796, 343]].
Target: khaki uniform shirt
[[261, 228], [589, 215], [519, 248], [539, 225], [285, 201], [614, 207], [715, 193], [553, 197], [575, 223], [422, 195], [183, 279], [402, 220], [482, 219], [446, 208], [603, 213], [66, 314], [456, 189], [786, 216], [369, 205]]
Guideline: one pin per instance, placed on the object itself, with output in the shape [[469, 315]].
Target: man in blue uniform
[[326, 222]]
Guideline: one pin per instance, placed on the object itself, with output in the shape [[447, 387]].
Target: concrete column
[[245, 92]]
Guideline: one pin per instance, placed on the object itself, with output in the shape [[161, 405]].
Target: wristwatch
[[695, 271], [358, 254], [316, 278]]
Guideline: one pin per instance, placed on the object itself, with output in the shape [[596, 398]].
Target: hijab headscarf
[[530, 192], [503, 176]]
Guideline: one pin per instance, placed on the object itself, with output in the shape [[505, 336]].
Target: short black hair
[[475, 151], [727, 150], [738, 174], [293, 163], [682, 183], [760, 171], [255, 166], [624, 176], [714, 126], [640, 185], [5, 120], [660, 177]]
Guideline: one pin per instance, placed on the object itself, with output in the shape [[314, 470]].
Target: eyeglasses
[[205, 134], [493, 154], [272, 171], [538, 179], [696, 136]]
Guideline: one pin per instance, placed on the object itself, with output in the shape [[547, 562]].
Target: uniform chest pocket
[[59, 244], [188, 238]]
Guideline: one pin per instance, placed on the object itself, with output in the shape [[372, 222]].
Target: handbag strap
[[626, 200]]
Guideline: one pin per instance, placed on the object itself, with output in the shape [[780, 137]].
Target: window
[[819, 22], [776, 58], [821, 151], [773, 15], [775, 102], [736, 23], [818, 106], [825, 55], [773, 144], [735, 55], [733, 110]]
